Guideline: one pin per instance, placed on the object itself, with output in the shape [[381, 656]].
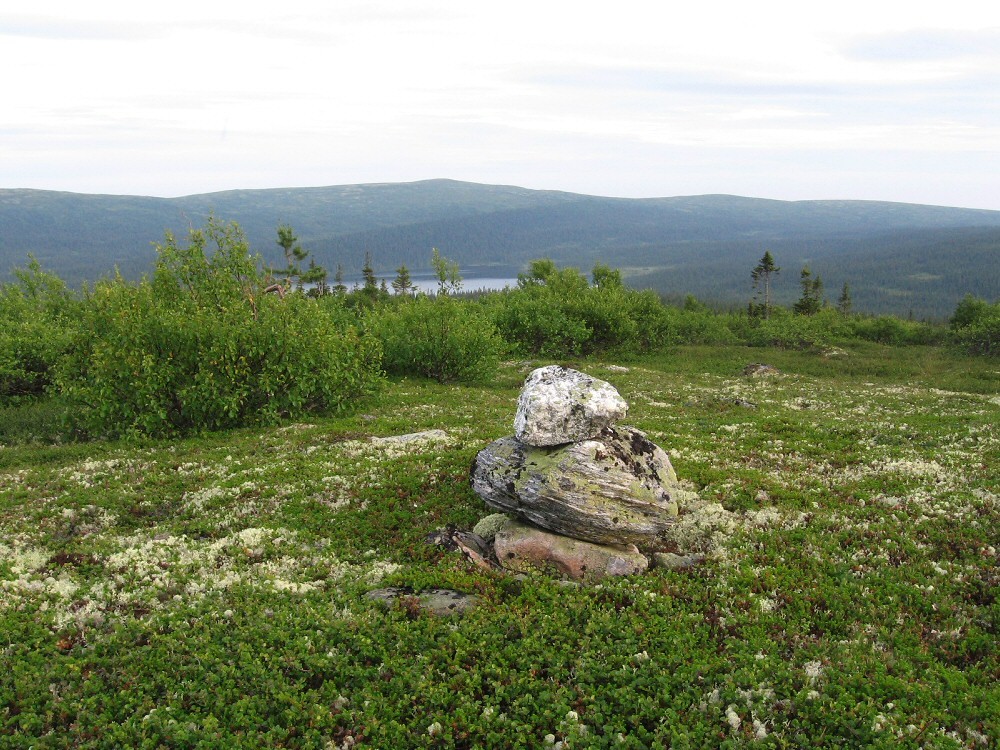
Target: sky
[[875, 100]]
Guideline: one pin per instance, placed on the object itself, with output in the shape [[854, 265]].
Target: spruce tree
[[402, 284], [763, 271], [338, 281], [811, 300], [370, 292], [844, 302]]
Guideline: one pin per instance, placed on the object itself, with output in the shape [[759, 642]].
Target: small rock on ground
[[439, 602]]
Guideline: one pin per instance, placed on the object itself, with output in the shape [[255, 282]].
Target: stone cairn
[[579, 495]]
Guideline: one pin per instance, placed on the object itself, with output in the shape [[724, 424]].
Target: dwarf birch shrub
[[441, 338], [787, 330], [886, 329], [36, 316], [981, 336], [202, 346], [975, 326], [557, 313], [533, 321]]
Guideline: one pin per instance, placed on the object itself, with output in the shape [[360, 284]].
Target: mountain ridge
[[697, 244]]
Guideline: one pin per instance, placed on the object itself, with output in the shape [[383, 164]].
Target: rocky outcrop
[[611, 489], [559, 405]]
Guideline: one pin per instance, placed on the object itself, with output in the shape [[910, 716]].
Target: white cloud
[[190, 97]]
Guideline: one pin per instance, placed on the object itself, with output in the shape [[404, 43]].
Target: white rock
[[559, 405]]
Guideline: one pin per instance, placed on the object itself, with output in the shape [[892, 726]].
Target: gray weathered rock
[[559, 405], [439, 602], [427, 436], [521, 548], [617, 488], [760, 370]]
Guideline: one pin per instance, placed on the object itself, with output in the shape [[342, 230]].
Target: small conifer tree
[[762, 273], [844, 302], [402, 284], [811, 300]]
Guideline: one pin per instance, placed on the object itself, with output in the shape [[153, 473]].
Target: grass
[[209, 592]]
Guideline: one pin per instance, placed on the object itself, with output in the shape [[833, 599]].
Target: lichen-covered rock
[[487, 527], [618, 488], [760, 370], [559, 405], [523, 548]]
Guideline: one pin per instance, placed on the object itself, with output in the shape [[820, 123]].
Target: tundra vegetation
[[194, 502]]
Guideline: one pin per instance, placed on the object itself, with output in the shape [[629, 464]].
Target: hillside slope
[[896, 257]]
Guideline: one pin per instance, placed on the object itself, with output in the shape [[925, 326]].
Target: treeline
[[214, 338]]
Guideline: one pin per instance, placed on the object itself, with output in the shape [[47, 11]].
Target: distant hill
[[900, 258]]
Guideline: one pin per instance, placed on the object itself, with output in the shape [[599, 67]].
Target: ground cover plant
[[209, 590]]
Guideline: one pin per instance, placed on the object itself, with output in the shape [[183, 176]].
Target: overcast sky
[[879, 99]]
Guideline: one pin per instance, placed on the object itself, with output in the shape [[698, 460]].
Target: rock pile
[[581, 493]]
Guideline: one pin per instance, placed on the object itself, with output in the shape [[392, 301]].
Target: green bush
[[975, 326], [785, 330], [202, 346], [557, 313], [969, 311], [982, 336], [534, 323], [443, 338], [36, 318], [694, 325], [886, 329]]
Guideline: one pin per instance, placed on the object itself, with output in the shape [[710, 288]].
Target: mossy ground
[[209, 591]]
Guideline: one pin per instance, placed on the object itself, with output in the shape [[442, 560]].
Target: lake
[[473, 280]]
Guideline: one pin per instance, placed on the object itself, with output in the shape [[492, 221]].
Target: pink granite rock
[[521, 547]]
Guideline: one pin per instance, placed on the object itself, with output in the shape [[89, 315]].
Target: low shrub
[[557, 313], [701, 326], [441, 337], [785, 329], [534, 323], [886, 329], [36, 318], [202, 346], [975, 326]]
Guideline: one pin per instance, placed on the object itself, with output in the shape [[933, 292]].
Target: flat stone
[[438, 602], [760, 370], [427, 436], [523, 548], [559, 405]]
